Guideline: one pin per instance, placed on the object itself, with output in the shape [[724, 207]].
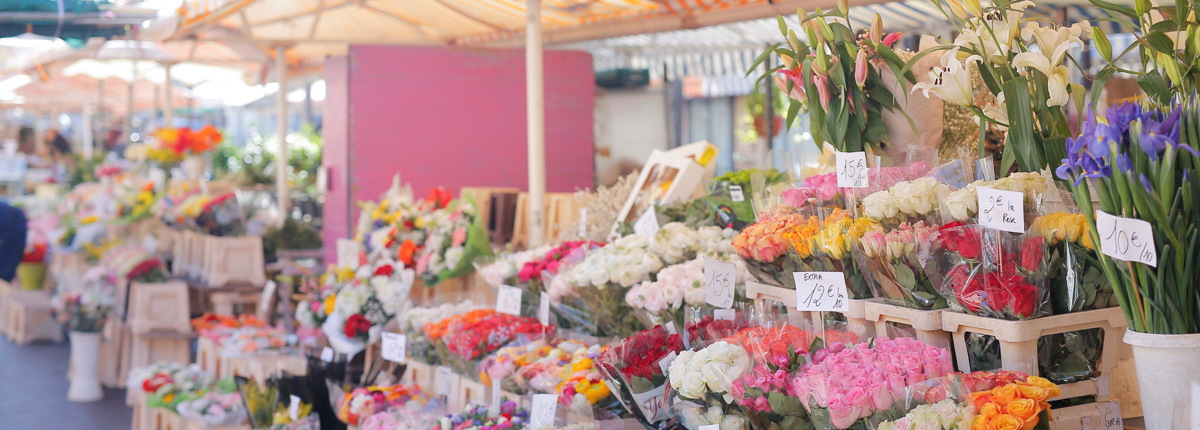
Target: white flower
[[962, 204], [952, 81], [1053, 45], [880, 205]]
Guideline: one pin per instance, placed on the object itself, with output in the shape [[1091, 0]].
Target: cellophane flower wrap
[[482, 332], [166, 384], [731, 211], [701, 326], [859, 386], [596, 302], [991, 273], [943, 415], [502, 365], [1074, 276], [677, 288], [503, 268], [633, 371], [892, 263], [536, 275], [823, 189], [214, 409], [831, 249], [220, 216], [962, 205], [366, 401], [478, 417]]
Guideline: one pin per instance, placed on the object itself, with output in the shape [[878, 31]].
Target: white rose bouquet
[[702, 380], [962, 205], [596, 301], [906, 201], [678, 286]]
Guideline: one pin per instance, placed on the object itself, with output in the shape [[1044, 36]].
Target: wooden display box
[[181, 260], [66, 269], [27, 318], [159, 307], [927, 325], [419, 374], [208, 356], [1018, 343], [471, 392], [759, 293], [233, 260], [679, 167]]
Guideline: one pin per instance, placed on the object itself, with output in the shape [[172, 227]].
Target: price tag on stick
[[851, 169], [1001, 210], [508, 300], [583, 223], [496, 393], [544, 309], [821, 291], [719, 281], [665, 362], [294, 407], [1126, 239], [327, 354], [444, 380], [541, 415], [395, 347]]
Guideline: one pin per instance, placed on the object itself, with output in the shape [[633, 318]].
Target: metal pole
[[132, 85], [86, 139], [168, 111], [40, 129], [100, 117], [281, 162], [536, 115]]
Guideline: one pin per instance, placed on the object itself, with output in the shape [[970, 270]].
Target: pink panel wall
[[453, 118]]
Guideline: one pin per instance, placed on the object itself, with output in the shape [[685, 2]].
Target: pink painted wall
[[450, 118]]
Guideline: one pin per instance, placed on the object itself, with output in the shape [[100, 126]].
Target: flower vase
[[1166, 369], [85, 351], [31, 275], [193, 167]]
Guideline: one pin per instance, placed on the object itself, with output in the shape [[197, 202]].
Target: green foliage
[[247, 164], [294, 235]]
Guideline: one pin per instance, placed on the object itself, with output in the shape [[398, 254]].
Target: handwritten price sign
[[1126, 239], [395, 347], [851, 169], [508, 300], [542, 411], [821, 291], [1001, 210], [647, 224], [719, 279], [736, 194]]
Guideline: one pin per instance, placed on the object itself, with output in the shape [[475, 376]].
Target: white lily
[[998, 111], [1057, 75], [993, 34], [952, 81]]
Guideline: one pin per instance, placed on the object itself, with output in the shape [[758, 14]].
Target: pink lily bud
[[821, 81], [891, 39], [860, 68], [876, 28]]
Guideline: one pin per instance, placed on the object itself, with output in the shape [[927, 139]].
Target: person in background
[[25, 142], [13, 232], [59, 146]]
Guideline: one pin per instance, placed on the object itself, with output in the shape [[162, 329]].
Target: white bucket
[[1167, 365]]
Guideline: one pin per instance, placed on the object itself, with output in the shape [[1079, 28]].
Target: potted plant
[[83, 314], [32, 270]]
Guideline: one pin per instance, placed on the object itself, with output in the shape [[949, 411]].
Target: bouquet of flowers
[[962, 205], [463, 340], [255, 340], [85, 311], [504, 268], [891, 261], [596, 303], [455, 239], [831, 248], [135, 206], [509, 417], [633, 371], [531, 278], [223, 324], [1074, 276], [1001, 280], [364, 402], [943, 415], [678, 286], [855, 386], [319, 299], [703, 379], [907, 201], [362, 307], [768, 245], [214, 409], [167, 384], [221, 216], [183, 141], [413, 321], [582, 385], [506, 361], [1017, 405]]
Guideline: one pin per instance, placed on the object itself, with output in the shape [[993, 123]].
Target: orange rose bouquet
[[1015, 406]]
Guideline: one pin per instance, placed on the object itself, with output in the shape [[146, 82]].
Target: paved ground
[[33, 393]]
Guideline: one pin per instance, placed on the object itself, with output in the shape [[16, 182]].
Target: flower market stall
[[1036, 277]]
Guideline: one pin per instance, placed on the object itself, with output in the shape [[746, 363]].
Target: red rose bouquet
[[635, 373], [991, 273], [469, 339]]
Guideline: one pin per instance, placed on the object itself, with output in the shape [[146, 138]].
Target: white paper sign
[[724, 314], [1110, 416], [1195, 405], [508, 300], [719, 281], [541, 412], [294, 407], [264, 302], [444, 380], [1126, 239], [670, 327], [327, 354], [711, 427], [647, 224], [851, 169], [496, 393], [821, 291], [582, 222], [652, 404], [347, 252], [395, 347], [665, 362], [735, 193], [150, 244], [544, 309], [1001, 210]]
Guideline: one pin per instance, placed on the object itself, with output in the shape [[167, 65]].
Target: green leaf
[[1113, 7], [1155, 86], [1141, 6], [1098, 84], [1160, 42], [1021, 125], [1007, 159], [761, 58], [1162, 27], [905, 276]]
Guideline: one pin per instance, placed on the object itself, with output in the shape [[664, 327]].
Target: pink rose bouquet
[[892, 262]]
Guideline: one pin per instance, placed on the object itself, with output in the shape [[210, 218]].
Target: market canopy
[[75, 21], [314, 29]]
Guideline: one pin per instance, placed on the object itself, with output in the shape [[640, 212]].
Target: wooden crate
[[262, 366], [471, 392], [208, 356], [28, 318], [1018, 343], [483, 201], [927, 325], [759, 293], [419, 374], [680, 168], [159, 307], [234, 260], [181, 260]]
